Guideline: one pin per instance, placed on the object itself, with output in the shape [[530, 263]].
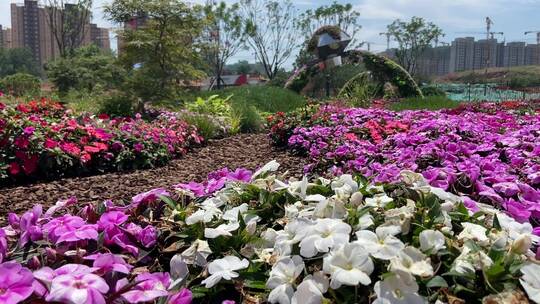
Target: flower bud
[[522, 244]]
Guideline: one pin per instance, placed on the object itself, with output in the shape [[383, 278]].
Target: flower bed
[[490, 153], [256, 238], [42, 139]]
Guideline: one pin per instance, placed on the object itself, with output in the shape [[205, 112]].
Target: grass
[[521, 76], [263, 98], [431, 103]]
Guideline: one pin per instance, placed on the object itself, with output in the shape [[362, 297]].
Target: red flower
[[351, 136], [85, 158], [23, 108], [91, 149], [104, 116], [71, 148], [30, 164], [21, 142], [50, 144], [14, 168]]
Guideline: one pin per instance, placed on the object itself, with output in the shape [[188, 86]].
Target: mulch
[[249, 151]]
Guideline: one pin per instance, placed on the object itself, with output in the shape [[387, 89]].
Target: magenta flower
[[86, 232], [184, 296], [197, 188], [78, 288], [150, 286], [241, 175], [106, 262], [148, 236], [30, 231], [149, 196], [3, 245], [57, 227], [15, 283]]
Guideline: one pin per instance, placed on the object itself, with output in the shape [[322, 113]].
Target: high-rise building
[[5, 37], [514, 54], [435, 61], [532, 54], [485, 54], [31, 29], [100, 37], [461, 54], [132, 24]]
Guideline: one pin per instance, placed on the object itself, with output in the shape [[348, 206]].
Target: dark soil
[[249, 151]]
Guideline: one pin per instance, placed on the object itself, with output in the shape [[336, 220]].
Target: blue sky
[[513, 17]]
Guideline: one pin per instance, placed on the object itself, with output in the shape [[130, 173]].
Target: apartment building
[[5, 37], [30, 28], [532, 54], [485, 54], [461, 55], [514, 54]]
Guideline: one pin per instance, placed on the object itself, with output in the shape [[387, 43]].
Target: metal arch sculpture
[[382, 69]]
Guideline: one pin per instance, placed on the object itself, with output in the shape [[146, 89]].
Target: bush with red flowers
[[42, 139]]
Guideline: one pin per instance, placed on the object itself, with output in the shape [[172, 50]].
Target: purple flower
[[30, 231], [106, 262], [86, 232], [241, 175], [78, 288], [184, 296], [59, 205], [29, 131], [57, 227], [228, 302], [138, 147], [197, 188], [148, 236], [15, 283], [3, 245], [149, 196], [150, 286], [215, 185], [506, 188]]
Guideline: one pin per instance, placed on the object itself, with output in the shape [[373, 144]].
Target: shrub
[[21, 84], [427, 103], [433, 91], [117, 105], [42, 139], [250, 119]]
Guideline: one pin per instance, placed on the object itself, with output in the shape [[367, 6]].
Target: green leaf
[[255, 284], [437, 281]]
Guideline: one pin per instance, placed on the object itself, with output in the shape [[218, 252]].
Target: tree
[[84, 69], [69, 21], [164, 51], [227, 36], [242, 67], [13, 61], [413, 39], [272, 30]]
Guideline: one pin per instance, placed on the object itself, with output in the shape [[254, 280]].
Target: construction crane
[[537, 35], [388, 35], [490, 35]]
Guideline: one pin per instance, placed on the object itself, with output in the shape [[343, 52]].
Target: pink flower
[[3, 245], [148, 236], [184, 296], [138, 147], [151, 286], [242, 175], [70, 148], [78, 288], [149, 196], [30, 231], [15, 283], [50, 144], [107, 262], [86, 232], [197, 188], [29, 131], [110, 223], [58, 227]]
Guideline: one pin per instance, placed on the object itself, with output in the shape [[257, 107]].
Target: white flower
[[474, 232], [282, 278], [329, 208], [197, 253], [311, 290], [323, 236], [382, 244], [349, 265], [292, 233], [531, 281], [269, 167], [357, 199], [398, 288], [233, 213], [401, 216], [365, 221], [471, 260], [209, 210], [413, 261], [516, 229], [344, 186], [221, 230], [379, 200], [298, 188], [224, 269], [431, 241], [522, 244]]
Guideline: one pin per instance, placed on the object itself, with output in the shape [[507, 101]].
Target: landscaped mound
[[489, 153], [42, 139], [254, 238]]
